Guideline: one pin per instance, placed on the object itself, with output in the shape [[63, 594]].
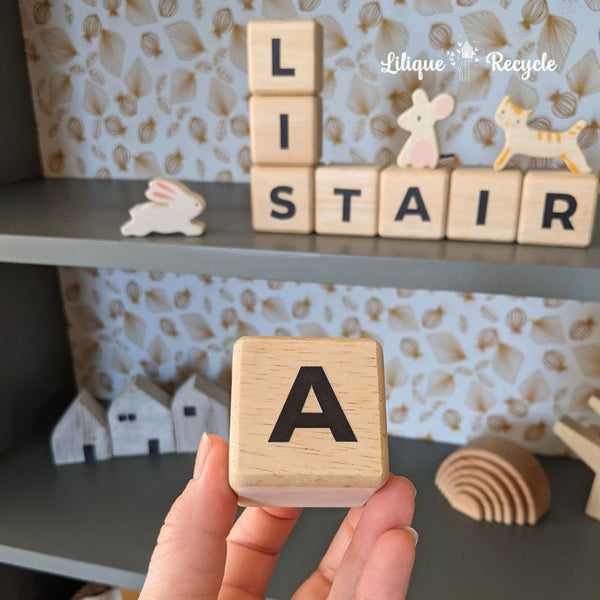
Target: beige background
[[136, 88]]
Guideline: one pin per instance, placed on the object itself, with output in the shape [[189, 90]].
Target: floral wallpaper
[[137, 88], [456, 365]]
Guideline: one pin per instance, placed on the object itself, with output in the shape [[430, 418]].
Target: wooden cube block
[[347, 199], [412, 203], [557, 208], [285, 130], [285, 57], [484, 205], [282, 199], [308, 421]]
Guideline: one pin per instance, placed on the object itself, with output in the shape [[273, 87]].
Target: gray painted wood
[[84, 423], [19, 153], [100, 522], [140, 420], [76, 222], [207, 408]]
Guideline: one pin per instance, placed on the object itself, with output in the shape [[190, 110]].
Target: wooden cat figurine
[[520, 139]]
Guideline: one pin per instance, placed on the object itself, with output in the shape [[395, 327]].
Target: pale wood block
[[519, 472], [413, 202], [140, 420], [483, 205], [585, 442], [285, 57], [283, 199], [285, 130], [347, 199], [557, 208], [308, 421], [199, 406], [81, 434]]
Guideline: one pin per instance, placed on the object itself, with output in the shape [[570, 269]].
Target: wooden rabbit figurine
[[421, 148], [520, 139], [172, 209]]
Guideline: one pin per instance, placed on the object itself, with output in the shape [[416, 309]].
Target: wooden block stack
[[285, 73]]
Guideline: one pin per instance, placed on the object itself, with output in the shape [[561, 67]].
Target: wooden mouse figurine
[[520, 139], [421, 148], [172, 209]]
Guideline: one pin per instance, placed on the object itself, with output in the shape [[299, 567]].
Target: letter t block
[[308, 421]]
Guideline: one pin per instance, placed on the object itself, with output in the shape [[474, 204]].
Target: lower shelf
[[100, 522]]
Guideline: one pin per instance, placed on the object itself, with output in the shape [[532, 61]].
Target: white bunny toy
[[421, 147], [172, 209]]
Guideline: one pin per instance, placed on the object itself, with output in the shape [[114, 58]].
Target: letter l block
[[308, 421]]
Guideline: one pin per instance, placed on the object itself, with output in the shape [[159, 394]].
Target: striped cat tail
[[578, 127]]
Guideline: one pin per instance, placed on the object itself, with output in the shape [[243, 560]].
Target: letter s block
[[282, 199], [308, 421], [285, 57], [557, 208]]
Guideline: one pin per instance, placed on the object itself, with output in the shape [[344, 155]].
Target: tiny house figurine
[[421, 148], [585, 442], [520, 139], [172, 209], [82, 433], [140, 420], [199, 406]]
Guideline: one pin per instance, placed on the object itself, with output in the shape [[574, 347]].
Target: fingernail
[[412, 532], [203, 452]]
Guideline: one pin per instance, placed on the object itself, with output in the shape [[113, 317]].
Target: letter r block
[[308, 421], [557, 208], [285, 57]]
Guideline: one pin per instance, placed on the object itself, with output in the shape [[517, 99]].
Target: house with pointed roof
[[199, 406], [140, 420], [81, 434]]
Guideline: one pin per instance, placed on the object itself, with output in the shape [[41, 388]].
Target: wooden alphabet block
[[282, 199], [346, 199], [557, 208], [285, 130], [285, 57], [484, 205], [413, 202], [308, 421]]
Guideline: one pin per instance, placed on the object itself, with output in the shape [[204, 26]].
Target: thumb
[[189, 558]]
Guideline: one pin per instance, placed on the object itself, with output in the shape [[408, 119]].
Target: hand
[[202, 555]]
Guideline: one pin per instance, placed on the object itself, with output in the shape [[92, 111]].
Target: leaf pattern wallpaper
[[456, 365], [140, 88]]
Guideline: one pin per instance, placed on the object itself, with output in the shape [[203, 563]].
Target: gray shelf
[[86, 522], [76, 222]]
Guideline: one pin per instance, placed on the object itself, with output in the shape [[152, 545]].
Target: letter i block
[[484, 205], [285, 57], [413, 202], [346, 199], [557, 208], [282, 199], [308, 421], [285, 130]]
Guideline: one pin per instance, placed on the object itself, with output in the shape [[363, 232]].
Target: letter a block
[[285, 57], [412, 203], [308, 421], [557, 208], [285, 130], [282, 199]]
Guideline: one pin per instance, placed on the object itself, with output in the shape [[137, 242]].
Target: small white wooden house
[[199, 406], [140, 420], [81, 434]]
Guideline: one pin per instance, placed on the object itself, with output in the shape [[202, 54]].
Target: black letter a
[[332, 417]]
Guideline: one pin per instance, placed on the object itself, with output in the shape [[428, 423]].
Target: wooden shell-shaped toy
[[521, 139], [495, 480], [421, 148], [172, 209]]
